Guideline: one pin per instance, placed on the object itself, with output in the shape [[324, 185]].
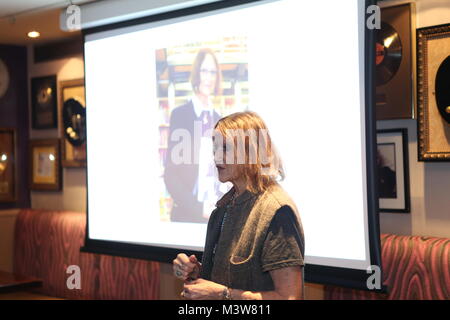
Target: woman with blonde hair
[[254, 245]]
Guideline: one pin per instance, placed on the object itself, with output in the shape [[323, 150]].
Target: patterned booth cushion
[[48, 242], [415, 268]]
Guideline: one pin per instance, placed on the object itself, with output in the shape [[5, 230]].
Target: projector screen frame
[[344, 277]]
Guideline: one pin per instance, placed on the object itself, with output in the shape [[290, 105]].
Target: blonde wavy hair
[[254, 153]]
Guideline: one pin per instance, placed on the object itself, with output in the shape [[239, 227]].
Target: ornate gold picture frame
[[45, 173], [7, 165], [433, 49]]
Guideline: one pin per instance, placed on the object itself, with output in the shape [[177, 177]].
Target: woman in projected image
[[254, 245], [193, 185]]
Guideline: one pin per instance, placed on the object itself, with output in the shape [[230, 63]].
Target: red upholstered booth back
[[414, 268], [47, 242]]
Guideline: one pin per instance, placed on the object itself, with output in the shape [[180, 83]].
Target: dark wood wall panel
[[58, 50]]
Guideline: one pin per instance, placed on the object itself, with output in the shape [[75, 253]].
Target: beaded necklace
[[230, 204]]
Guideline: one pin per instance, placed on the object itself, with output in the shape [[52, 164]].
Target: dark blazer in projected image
[[180, 179]]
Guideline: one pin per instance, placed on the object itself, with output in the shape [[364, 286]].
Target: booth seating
[[415, 268], [46, 243]]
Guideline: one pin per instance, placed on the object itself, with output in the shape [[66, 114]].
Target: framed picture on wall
[[395, 63], [434, 93], [7, 165], [43, 103], [393, 170], [72, 110], [45, 173]]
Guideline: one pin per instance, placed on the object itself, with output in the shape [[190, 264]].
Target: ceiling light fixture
[[33, 34]]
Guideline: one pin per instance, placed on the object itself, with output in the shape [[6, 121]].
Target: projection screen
[[306, 67]]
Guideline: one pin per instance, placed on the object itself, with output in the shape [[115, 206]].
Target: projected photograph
[[197, 84]]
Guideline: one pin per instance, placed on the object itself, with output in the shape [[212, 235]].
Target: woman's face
[[224, 159], [208, 76]]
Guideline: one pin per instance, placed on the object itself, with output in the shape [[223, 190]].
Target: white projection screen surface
[[301, 65]]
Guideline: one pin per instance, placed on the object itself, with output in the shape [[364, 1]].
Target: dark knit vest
[[236, 262]]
